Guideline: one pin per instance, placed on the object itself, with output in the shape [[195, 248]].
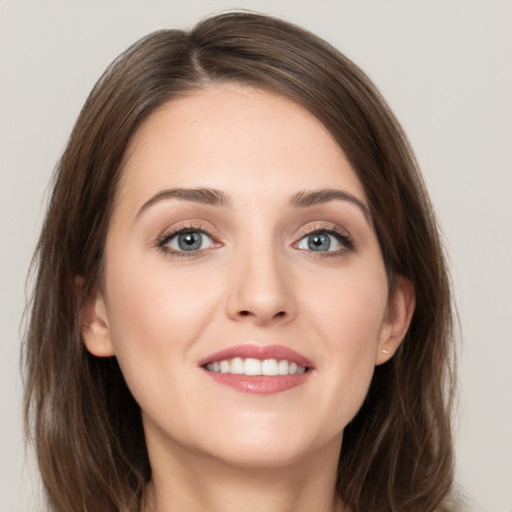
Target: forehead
[[235, 138]]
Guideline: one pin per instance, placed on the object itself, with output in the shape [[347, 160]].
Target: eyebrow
[[214, 197], [305, 199], [207, 196]]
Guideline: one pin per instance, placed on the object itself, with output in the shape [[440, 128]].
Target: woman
[[241, 298]]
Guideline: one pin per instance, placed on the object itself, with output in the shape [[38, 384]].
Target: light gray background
[[445, 68]]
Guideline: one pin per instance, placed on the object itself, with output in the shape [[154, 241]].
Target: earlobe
[[95, 328], [398, 318]]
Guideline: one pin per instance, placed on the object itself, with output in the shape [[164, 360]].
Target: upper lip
[[261, 352]]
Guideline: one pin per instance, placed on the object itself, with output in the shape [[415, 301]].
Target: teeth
[[282, 367], [237, 366], [251, 366], [269, 367]]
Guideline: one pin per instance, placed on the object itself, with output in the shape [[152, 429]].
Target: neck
[[187, 482]]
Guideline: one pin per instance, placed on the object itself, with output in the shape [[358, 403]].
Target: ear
[[398, 318], [95, 328]]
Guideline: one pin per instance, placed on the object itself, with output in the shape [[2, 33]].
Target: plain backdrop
[[445, 68]]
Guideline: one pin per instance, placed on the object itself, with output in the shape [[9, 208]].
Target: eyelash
[[341, 236], [164, 239]]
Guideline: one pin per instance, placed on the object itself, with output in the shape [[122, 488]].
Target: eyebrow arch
[[207, 196], [305, 199]]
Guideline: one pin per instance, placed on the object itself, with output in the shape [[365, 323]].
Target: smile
[[255, 367], [260, 369]]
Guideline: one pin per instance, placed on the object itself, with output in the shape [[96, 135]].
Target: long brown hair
[[86, 426]]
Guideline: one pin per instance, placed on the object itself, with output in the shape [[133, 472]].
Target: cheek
[[350, 308], [347, 319], [151, 298], [154, 317]]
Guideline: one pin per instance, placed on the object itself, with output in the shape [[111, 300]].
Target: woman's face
[[241, 245]]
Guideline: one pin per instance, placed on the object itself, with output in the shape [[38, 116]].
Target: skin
[[255, 281]]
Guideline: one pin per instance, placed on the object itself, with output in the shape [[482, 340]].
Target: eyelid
[[314, 227], [175, 237], [189, 227], [342, 236]]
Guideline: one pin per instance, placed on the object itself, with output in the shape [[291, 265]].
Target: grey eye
[[319, 242], [190, 241]]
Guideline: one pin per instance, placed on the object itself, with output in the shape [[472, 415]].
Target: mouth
[[255, 367], [258, 369]]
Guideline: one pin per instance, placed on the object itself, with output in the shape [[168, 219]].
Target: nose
[[261, 289]]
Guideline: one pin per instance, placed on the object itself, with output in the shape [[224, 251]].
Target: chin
[[261, 457], [269, 447]]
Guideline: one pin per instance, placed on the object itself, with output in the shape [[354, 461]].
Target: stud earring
[[385, 351]]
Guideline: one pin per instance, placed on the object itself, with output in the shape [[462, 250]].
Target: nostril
[[279, 314]]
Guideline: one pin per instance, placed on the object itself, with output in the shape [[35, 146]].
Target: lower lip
[[260, 384]]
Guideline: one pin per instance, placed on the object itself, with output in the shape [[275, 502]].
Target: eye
[[186, 241], [324, 241]]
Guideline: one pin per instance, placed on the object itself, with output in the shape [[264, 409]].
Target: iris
[[319, 242]]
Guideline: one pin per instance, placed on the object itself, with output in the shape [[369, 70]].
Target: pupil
[[189, 241], [319, 242]]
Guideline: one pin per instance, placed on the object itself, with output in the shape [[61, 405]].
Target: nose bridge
[[261, 287]]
